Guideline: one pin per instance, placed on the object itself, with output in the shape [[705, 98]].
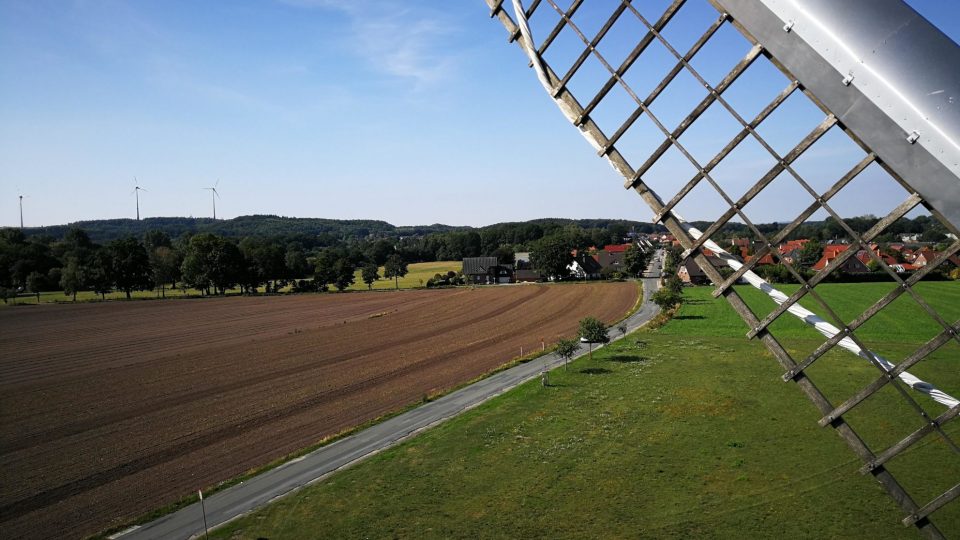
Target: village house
[[924, 257], [852, 265], [790, 250], [485, 271], [690, 272], [611, 257], [584, 266], [910, 238]]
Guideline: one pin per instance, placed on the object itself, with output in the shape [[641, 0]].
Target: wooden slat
[[557, 28], [925, 350], [709, 99], [631, 58], [910, 440], [590, 47], [933, 506], [655, 93], [657, 90], [772, 106]]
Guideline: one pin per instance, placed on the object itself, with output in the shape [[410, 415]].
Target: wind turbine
[[214, 195], [21, 196], [136, 191]]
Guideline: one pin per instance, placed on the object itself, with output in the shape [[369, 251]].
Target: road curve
[[242, 498]]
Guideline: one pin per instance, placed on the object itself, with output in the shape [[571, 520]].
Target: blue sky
[[410, 112]]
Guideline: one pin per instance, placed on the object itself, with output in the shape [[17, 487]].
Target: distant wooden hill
[[105, 230]]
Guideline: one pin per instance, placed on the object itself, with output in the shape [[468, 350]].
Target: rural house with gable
[[485, 271]]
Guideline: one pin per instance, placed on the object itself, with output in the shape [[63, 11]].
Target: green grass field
[[902, 320], [417, 275], [53, 297], [683, 432]]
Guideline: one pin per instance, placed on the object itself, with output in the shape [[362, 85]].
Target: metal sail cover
[[643, 83]]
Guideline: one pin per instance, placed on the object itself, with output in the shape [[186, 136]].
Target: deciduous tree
[[131, 265], [295, 261], [566, 348], [395, 268], [810, 253], [72, 277], [370, 273], [552, 257], [100, 273], [592, 330], [164, 267], [212, 261], [635, 261], [324, 274], [666, 298], [343, 274], [36, 283]]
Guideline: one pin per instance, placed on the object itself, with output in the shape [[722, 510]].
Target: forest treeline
[[320, 232]]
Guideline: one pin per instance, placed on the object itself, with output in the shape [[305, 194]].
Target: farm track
[[96, 431]]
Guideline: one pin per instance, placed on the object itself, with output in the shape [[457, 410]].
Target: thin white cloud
[[406, 42]]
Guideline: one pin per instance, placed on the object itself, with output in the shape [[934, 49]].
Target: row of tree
[[207, 262]]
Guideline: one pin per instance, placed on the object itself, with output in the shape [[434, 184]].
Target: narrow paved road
[[258, 491]]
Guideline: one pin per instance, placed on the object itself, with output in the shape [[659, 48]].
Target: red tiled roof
[[836, 248], [791, 245], [766, 259], [616, 248], [823, 262]]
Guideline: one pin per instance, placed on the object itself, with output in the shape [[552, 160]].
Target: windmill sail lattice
[[880, 78]]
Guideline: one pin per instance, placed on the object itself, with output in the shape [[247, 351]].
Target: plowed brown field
[[110, 410]]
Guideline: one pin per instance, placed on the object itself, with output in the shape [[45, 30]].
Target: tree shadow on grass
[[627, 358], [595, 371], [686, 317]]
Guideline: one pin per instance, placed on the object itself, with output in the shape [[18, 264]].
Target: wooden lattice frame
[[918, 516]]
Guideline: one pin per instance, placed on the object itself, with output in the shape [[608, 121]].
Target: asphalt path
[[251, 494]]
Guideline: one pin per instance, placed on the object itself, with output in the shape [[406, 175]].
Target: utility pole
[[21, 212], [204, 511]]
